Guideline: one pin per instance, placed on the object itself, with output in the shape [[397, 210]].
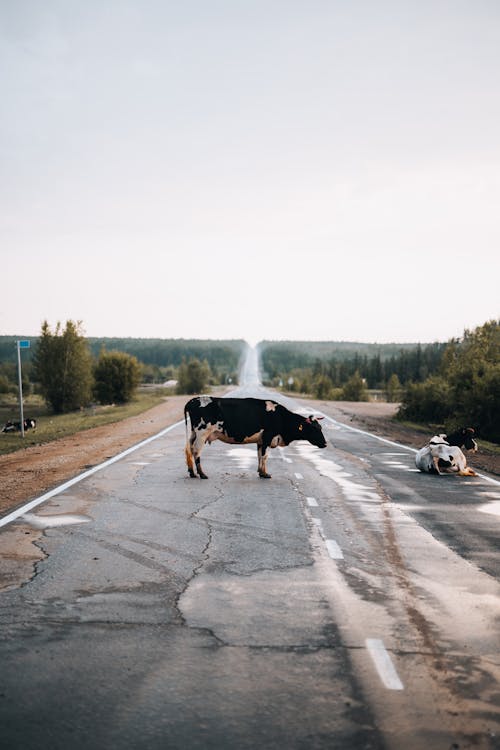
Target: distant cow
[[245, 420], [29, 424], [443, 455]]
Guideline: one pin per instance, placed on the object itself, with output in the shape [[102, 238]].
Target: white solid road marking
[[385, 668], [312, 502], [46, 522], [57, 490]]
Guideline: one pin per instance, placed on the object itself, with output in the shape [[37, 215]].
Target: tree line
[[465, 389], [340, 362], [70, 370], [450, 384]]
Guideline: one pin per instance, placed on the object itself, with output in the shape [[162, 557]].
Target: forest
[[448, 384], [160, 357], [307, 361]]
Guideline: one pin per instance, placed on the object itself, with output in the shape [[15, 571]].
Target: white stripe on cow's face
[[270, 406]]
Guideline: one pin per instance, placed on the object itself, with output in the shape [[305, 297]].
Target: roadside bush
[[5, 385], [322, 387], [116, 376], [480, 404], [355, 389], [393, 389], [193, 376], [426, 402]]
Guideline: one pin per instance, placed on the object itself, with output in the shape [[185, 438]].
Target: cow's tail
[[187, 450]]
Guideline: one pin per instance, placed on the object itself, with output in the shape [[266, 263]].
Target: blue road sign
[[24, 344]]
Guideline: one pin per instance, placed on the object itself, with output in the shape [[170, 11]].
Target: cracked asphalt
[[347, 603]]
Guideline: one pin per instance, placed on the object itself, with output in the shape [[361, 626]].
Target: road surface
[[349, 602]]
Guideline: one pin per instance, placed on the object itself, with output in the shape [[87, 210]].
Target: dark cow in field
[[443, 454], [29, 424], [245, 420]]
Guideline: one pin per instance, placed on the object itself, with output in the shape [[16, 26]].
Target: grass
[[53, 426]]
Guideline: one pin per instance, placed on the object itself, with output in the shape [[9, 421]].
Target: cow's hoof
[[203, 476], [192, 474], [264, 475]]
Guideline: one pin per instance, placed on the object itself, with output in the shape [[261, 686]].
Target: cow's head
[[310, 429], [469, 442]]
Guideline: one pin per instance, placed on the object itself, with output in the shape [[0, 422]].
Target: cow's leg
[[435, 462], [262, 454], [198, 439], [200, 471], [189, 458], [193, 450]]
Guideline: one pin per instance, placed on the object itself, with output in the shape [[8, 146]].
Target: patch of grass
[[53, 426], [492, 448], [437, 429], [417, 427]]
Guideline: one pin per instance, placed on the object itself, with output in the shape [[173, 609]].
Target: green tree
[[355, 389], [429, 401], [116, 376], [322, 387], [63, 367], [393, 388], [193, 376], [472, 368], [5, 386]]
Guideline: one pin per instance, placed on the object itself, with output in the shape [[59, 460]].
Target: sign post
[[21, 345]]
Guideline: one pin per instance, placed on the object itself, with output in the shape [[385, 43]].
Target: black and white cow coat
[[245, 420], [10, 426], [443, 454]]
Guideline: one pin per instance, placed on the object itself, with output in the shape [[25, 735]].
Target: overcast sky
[[300, 169]]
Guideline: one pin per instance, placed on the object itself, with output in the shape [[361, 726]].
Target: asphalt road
[[349, 602]]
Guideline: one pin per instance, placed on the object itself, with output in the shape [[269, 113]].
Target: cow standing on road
[[245, 420]]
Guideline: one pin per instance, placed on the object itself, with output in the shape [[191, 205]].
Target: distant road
[[349, 602]]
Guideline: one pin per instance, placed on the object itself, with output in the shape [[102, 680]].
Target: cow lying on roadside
[[29, 424], [245, 420], [443, 454]]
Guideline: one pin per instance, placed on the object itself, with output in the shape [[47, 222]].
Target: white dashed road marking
[[333, 549], [383, 663], [312, 502], [66, 485], [331, 545], [298, 475]]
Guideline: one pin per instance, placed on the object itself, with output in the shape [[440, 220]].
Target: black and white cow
[[443, 454], [29, 424], [245, 420]]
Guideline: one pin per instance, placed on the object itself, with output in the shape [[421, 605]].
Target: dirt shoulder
[[30, 472]]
